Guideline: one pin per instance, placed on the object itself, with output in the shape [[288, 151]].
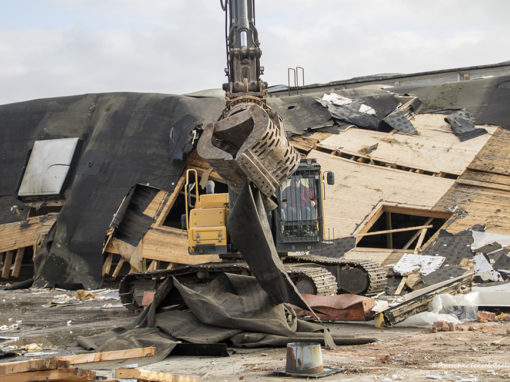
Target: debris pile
[[70, 367]]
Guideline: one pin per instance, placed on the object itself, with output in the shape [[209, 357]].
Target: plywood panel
[[195, 161], [477, 205], [488, 177], [171, 245], [156, 205], [308, 143], [25, 234], [129, 253], [169, 201], [379, 255], [482, 194], [435, 148], [361, 187], [495, 157]]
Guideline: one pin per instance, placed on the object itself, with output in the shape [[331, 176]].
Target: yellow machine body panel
[[207, 217], [213, 200], [207, 229]]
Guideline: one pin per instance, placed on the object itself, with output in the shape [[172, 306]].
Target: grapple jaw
[[249, 145]]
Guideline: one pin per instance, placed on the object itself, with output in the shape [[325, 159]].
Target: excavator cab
[[297, 223], [299, 218]]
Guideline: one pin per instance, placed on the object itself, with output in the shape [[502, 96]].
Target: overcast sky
[[54, 48]]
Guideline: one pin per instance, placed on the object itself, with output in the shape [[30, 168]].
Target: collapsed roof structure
[[106, 197]]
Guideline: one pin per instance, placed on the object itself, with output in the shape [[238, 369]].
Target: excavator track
[[312, 280], [133, 285], [311, 274], [364, 277]]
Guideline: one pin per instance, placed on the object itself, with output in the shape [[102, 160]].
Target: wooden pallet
[[153, 376], [63, 368]]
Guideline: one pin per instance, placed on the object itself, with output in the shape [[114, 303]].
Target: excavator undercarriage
[[311, 274]]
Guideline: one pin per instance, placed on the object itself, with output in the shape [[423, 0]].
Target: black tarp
[[250, 232], [486, 98], [230, 308], [126, 139]]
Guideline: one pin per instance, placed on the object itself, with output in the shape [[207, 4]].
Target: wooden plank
[[411, 240], [435, 148], [31, 365], [7, 264], [78, 359], [107, 265], [487, 176], [193, 160], [109, 234], [171, 245], [25, 234], [477, 183], [320, 135], [151, 375], [389, 236], [128, 252], [118, 267], [17, 262], [420, 240], [156, 205], [367, 223], [153, 265], [482, 193], [170, 201], [415, 236], [394, 230], [495, 156], [69, 374], [401, 285], [393, 258], [490, 208], [303, 144], [399, 209]]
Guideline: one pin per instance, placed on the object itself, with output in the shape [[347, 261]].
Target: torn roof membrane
[[356, 112], [131, 138]]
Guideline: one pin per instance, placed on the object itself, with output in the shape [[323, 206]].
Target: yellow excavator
[[297, 224], [275, 202]]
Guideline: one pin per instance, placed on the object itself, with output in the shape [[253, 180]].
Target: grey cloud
[[178, 46]]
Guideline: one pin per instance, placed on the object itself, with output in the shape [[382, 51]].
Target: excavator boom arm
[[248, 143], [243, 49]]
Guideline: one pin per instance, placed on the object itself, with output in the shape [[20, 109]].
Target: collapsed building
[[92, 185], [94, 188]]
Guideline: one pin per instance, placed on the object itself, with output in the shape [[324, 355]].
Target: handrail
[[188, 171]]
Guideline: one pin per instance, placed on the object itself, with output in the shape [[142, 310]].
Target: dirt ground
[[29, 319]]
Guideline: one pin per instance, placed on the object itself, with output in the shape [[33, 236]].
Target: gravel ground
[[48, 321]]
